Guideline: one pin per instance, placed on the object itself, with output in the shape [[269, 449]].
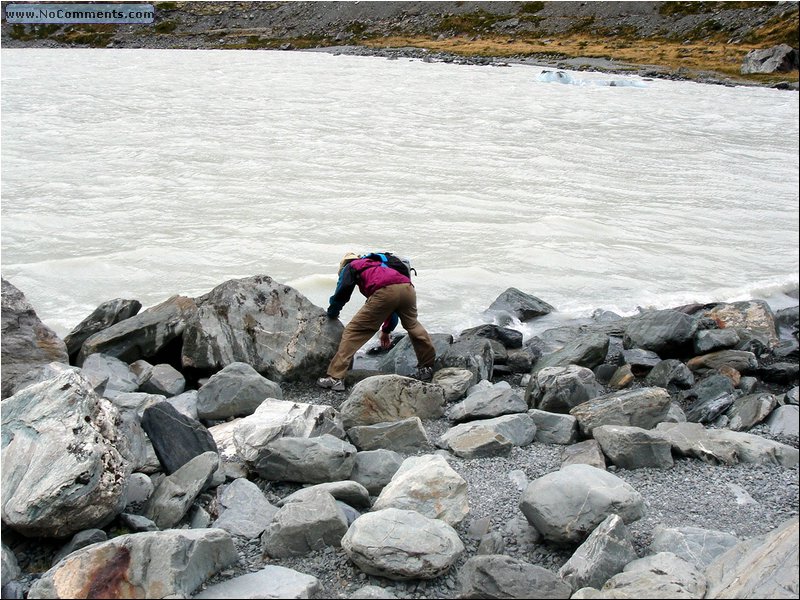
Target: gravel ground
[[745, 500]]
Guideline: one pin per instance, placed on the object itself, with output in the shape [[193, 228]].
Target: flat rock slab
[[271, 582]]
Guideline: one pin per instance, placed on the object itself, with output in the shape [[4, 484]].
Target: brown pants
[[400, 298]]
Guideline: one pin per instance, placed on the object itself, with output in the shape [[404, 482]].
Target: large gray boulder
[[748, 411], [565, 506], [509, 338], [116, 374], [176, 438], [711, 397], [305, 526], [489, 437], [475, 355], [134, 402], [374, 469], [160, 564], [762, 567], [163, 379], [402, 360], [78, 541], [263, 323], [454, 381], [670, 374], [499, 576], [477, 442], [721, 446], [175, 494], [499, 399], [661, 575], [552, 339], [559, 389], [244, 509], [402, 544], [519, 305], [750, 319], [134, 445], [144, 335], [386, 398], [587, 452], [665, 332], [710, 340], [306, 460], [604, 554], [586, 350], [699, 547], [62, 471], [185, 403], [642, 407], [553, 428], [741, 360], [633, 447], [785, 420], [778, 59], [349, 492], [235, 391], [10, 567], [407, 435], [274, 419], [105, 315], [27, 342], [42, 373], [428, 485]]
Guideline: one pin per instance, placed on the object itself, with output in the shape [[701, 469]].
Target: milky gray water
[[146, 173]]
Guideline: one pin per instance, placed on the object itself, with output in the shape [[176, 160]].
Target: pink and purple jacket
[[370, 276]]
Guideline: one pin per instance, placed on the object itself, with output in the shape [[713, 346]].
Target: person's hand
[[386, 341], [332, 314]]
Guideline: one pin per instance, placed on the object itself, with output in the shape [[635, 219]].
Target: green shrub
[[18, 32], [584, 25], [357, 28], [669, 9], [478, 21], [166, 27], [531, 7]]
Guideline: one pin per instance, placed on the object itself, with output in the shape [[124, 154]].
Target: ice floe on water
[[564, 77]]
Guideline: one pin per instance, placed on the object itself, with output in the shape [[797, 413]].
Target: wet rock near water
[[678, 476], [27, 342]]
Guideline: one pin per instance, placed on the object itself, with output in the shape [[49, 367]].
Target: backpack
[[401, 265]]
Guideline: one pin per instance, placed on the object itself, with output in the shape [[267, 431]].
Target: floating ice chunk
[[557, 76], [564, 77]]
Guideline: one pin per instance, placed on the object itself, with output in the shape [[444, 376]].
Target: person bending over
[[390, 296]]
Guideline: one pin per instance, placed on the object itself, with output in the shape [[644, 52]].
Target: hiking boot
[[423, 373], [337, 385]]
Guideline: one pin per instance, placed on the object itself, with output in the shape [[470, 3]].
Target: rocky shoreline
[[580, 63], [645, 456]]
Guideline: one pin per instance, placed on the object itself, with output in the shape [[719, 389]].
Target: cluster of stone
[[118, 438]]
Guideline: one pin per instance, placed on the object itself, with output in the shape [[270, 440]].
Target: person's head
[[348, 258]]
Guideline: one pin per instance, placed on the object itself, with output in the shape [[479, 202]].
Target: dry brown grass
[[705, 56]]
